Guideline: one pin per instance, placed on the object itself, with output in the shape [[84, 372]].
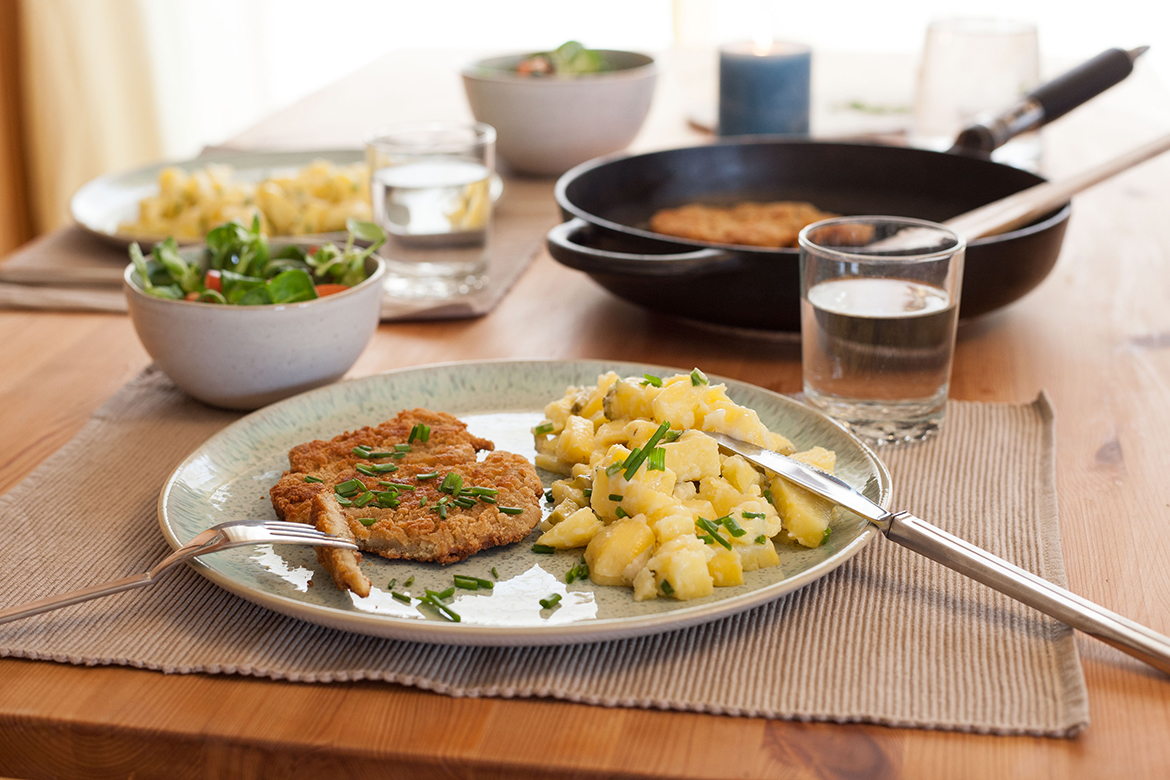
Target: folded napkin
[[888, 638], [71, 269]]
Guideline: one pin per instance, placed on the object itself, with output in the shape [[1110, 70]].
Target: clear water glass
[[973, 66], [431, 189], [879, 302]]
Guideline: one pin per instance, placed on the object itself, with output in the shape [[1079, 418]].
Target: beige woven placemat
[[888, 638]]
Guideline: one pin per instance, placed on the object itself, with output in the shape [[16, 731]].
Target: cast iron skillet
[[608, 204]]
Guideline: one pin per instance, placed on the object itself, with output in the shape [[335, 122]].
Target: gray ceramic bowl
[[245, 357], [545, 125]]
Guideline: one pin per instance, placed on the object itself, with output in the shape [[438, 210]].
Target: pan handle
[[565, 248], [1049, 101]]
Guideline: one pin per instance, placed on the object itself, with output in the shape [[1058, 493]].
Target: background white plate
[[107, 201], [229, 476]]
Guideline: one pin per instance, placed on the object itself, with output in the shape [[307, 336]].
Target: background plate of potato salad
[[646, 526]]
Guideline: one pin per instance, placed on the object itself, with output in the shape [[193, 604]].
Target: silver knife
[[952, 552]]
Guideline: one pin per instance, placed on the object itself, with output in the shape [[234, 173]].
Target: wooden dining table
[[1095, 335]]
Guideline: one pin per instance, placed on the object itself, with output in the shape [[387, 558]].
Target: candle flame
[[762, 42]]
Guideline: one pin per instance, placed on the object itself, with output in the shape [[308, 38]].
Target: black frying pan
[[608, 204]]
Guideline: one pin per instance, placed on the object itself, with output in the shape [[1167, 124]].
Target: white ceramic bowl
[[245, 357], [545, 125]]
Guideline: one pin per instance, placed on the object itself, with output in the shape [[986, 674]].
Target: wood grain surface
[[1096, 335]]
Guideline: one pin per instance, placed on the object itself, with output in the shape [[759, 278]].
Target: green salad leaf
[[249, 274]]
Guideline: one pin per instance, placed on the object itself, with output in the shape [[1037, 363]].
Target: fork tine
[[279, 526]]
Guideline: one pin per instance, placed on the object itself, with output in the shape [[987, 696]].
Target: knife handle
[[1080, 613]]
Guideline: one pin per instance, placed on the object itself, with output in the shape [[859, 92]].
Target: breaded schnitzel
[[751, 224], [411, 487]]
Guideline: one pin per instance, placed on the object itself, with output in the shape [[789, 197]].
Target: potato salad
[[319, 198], [650, 497]]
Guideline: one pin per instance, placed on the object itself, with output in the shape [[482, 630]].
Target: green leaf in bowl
[[291, 287]]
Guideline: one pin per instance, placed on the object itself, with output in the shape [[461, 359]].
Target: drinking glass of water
[[431, 190], [879, 304]]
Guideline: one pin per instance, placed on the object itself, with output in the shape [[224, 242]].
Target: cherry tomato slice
[[330, 289], [191, 296], [213, 281]]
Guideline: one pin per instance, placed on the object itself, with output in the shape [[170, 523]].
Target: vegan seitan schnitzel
[[411, 487]]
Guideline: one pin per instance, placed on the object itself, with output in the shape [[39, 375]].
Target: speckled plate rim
[[597, 630]]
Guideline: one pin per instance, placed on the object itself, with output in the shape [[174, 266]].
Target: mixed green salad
[[239, 267], [569, 59]]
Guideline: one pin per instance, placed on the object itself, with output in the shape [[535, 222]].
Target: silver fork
[[219, 537]]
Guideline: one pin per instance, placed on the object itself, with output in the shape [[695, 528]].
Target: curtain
[[88, 96]]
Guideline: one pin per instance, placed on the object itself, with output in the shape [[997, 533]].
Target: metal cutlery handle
[[75, 597], [1080, 613]]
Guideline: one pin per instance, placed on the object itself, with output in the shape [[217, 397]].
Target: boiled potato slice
[[693, 456], [612, 550], [576, 530], [725, 568], [575, 443], [680, 569]]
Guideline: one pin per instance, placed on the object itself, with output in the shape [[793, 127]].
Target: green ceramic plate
[[229, 476]]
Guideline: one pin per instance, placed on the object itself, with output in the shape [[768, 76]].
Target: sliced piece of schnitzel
[[424, 496]]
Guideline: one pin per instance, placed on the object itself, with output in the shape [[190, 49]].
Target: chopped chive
[[443, 609], [636, 457], [588, 493], [620, 513], [543, 549], [712, 529], [488, 499], [827, 534], [361, 451], [548, 496], [543, 428], [667, 588], [311, 478], [367, 521], [495, 573], [409, 581], [379, 455], [373, 471], [650, 379], [442, 594], [734, 528], [614, 467], [551, 601], [413, 434], [579, 572], [400, 596], [771, 500], [465, 502], [483, 491], [397, 454], [443, 512], [392, 582], [753, 515], [511, 510], [670, 436], [761, 539], [480, 581], [657, 460], [343, 501], [431, 475], [615, 497], [452, 483], [466, 583], [443, 500], [705, 539], [402, 448], [424, 432], [363, 499], [349, 487], [399, 485], [422, 501], [699, 378]]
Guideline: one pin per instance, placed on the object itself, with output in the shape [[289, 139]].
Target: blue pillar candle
[[764, 89]]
